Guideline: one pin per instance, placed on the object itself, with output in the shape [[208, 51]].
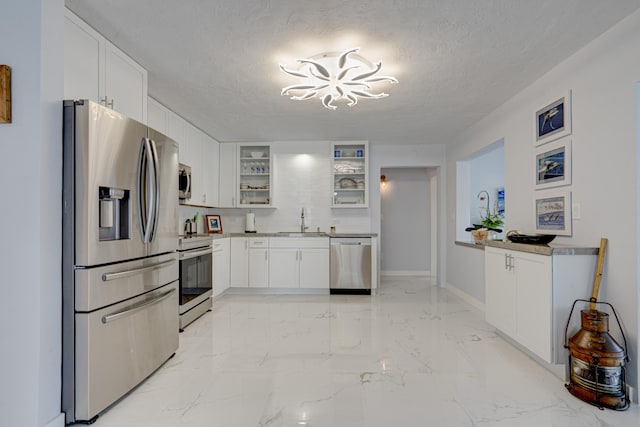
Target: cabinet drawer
[[258, 242], [299, 242]]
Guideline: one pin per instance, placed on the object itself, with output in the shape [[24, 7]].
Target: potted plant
[[490, 221]]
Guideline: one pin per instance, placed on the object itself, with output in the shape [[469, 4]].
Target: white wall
[[30, 221], [602, 77], [405, 229]]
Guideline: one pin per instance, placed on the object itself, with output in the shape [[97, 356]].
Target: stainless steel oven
[[196, 277]]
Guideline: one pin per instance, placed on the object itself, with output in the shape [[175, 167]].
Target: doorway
[[408, 221]]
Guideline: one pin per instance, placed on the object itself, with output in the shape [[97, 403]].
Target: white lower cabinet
[[258, 262], [221, 265], [314, 268], [299, 262], [239, 275], [528, 296]]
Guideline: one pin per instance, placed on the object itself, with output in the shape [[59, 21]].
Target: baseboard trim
[[420, 273], [58, 421], [465, 297], [277, 291]]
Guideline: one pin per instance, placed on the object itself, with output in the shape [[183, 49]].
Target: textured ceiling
[[215, 62]]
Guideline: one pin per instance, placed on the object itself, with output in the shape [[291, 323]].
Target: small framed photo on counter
[[214, 224]]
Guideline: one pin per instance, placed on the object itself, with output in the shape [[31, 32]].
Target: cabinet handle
[[506, 262], [105, 101]]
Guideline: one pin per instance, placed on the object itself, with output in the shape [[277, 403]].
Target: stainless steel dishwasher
[[350, 265]]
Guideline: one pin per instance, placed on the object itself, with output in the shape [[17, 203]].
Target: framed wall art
[[553, 165], [553, 121], [214, 224], [553, 213]]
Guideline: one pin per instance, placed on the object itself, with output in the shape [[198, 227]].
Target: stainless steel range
[[196, 277]]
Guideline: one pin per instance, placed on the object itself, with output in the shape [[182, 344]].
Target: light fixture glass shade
[[335, 76]]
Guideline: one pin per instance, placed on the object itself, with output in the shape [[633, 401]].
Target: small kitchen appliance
[[596, 361], [250, 223]]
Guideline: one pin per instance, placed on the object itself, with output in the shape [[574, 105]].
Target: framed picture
[[553, 121], [214, 224], [553, 213], [553, 165]]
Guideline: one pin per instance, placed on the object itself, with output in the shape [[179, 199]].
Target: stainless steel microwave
[[184, 181]]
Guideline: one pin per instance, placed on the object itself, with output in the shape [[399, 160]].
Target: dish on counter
[[534, 239]]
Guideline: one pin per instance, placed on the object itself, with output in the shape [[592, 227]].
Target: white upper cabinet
[[95, 69], [211, 164], [227, 175], [177, 130], [350, 174], [254, 181], [202, 155], [157, 116]]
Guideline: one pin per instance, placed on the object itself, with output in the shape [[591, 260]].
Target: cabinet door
[[157, 116], [258, 268], [83, 60], [314, 268], [254, 184], [193, 157], [227, 176], [176, 130], [533, 302], [125, 84], [283, 268], [221, 266], [210, 162], [239, 262], [500, 290]]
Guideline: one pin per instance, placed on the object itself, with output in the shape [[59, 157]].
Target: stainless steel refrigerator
[[120, 266]]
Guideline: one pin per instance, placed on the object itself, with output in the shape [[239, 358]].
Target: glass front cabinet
[[349, 174], [254, 183]]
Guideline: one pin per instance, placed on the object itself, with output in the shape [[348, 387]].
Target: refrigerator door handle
[[155, 191], [146, 199], [137, 307], [128, 273]]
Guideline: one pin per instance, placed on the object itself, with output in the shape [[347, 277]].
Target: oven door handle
[[137, 307], [193, 254], [128, 273]]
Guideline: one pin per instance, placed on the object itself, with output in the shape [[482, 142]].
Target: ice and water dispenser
[[115, 213]]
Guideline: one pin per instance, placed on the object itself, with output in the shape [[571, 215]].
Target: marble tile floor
[[414, 355]]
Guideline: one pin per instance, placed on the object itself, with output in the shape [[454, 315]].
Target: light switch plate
[[576, 211]]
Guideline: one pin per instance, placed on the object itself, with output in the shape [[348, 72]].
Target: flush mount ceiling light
[[334, 76]]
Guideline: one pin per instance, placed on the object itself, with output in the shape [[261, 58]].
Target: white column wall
[[30, 218]]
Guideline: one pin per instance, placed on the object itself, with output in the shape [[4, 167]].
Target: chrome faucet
[[302, 226]]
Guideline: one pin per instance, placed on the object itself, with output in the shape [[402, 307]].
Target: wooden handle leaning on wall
[[5, 94], [598, 276]]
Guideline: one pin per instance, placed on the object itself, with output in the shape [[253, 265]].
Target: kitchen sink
[[299, 234]]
